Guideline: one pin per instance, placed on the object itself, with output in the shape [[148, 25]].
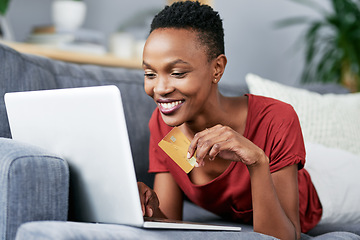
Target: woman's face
[[178, 75]]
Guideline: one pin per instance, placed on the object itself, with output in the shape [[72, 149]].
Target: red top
[[274, 127]]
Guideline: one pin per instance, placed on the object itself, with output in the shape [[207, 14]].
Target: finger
[[231, 151], [218, 147], [142, 196], [195, 143], [192, 147], [146, 206], [149, 211], [152, 203], [224, 136], [214, 151], [207, 142], [148, 200]]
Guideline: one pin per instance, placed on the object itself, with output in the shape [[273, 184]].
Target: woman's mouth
[[168, 107]]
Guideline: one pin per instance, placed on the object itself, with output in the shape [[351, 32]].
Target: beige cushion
[[332, 120]]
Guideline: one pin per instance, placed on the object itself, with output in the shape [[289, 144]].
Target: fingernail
[[188, 155], [151, 212]]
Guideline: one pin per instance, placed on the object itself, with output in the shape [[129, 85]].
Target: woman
[[249, 149]]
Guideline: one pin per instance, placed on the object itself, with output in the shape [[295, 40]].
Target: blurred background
[[253, 43]]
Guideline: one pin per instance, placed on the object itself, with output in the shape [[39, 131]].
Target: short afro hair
[[197, 17]]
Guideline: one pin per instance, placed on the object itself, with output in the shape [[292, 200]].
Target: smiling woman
[[249, 150], [178, 77]]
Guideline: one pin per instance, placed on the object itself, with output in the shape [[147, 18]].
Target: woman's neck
[[226, 111]]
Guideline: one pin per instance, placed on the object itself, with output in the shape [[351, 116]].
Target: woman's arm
[[274, 196], [286, 186], [275, 201], [170, 196]]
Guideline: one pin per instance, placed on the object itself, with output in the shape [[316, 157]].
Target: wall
[[104, 15], [252, 42]]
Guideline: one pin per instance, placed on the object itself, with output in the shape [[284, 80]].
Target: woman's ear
[[219, 67]]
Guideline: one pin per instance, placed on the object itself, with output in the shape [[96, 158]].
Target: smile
[[169, 107]]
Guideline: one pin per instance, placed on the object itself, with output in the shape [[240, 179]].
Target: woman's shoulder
[[271, 112], [268, 105]]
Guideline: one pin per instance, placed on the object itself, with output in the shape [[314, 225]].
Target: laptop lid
[[86, 127]]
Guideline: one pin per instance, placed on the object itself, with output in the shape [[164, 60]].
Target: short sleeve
[[288, 144], [157, 157]]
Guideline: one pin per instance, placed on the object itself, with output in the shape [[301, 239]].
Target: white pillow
[[332, 120], [335, 175]]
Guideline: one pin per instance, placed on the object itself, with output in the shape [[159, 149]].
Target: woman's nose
[[163, 86]]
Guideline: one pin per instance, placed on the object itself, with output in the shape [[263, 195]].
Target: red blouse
[[271, 125]]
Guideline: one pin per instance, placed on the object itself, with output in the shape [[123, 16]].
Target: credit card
[[176, 145]]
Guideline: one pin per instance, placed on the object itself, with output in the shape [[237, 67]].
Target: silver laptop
[[86, 127]]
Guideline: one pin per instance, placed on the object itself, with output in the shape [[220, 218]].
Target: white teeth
[[170, 105]]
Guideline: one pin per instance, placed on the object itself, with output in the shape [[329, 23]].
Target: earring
[[215, 80]]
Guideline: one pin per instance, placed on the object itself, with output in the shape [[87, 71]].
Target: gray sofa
[[35, 186]]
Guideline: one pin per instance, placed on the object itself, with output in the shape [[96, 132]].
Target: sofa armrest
[[34, 185]]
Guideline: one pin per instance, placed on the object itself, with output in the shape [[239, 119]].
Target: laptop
[[86, 127]]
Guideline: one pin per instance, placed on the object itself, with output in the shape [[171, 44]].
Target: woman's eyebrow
[[146, 64], [177, 61]]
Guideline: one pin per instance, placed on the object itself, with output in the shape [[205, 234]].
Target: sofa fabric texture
[[35, 184], [23, 171]]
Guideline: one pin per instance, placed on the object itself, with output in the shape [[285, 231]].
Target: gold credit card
[[176, 145]]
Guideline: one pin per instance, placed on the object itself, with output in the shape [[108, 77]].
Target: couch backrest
[[21, 72]]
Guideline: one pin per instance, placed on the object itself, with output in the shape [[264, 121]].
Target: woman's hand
[[224, 142], [274, 196], [149, 201]]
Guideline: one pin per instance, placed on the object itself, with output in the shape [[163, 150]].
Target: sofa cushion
[[76, 231], [335, 174], [329, 119], [322, 229], [49, 230]]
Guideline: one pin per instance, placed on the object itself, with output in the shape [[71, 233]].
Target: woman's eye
[[150, 75], [178, 74]]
